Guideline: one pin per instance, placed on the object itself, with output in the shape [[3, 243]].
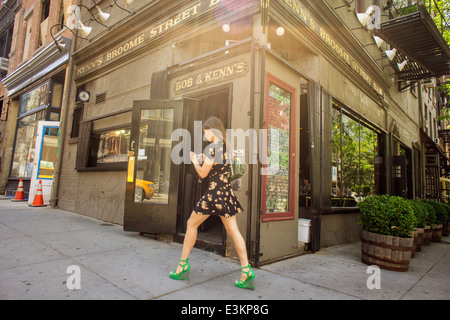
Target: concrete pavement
[[38, 245]]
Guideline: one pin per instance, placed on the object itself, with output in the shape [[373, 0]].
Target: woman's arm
[[202, 170]]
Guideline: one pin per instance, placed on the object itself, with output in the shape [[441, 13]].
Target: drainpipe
[[63, 123]]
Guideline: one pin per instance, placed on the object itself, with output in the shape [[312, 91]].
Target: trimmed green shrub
[[420, 211], [447, 207], [441, 213], [388, 215], [431, 205]]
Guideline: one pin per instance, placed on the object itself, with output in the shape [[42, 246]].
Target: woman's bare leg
[[194, 221], [238, 241]]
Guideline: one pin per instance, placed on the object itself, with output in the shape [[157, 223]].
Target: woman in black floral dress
[[219, 199]]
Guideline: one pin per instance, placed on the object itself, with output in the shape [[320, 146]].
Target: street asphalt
[[51, 254]]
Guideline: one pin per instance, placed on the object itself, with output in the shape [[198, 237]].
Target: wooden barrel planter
[[427, 236], [436, 235], [420, 232], [415, 236], [445, 231], [387, 252]]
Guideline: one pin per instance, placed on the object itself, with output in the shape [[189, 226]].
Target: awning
[[432, 147], [49, 59], [418, 40], [445, 135]]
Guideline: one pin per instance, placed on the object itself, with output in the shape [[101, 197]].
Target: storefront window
[[113, 146], [34, 99], [355, 159], [25, 144], [278, 163], [277, 187], [49, 153], [57, 95]]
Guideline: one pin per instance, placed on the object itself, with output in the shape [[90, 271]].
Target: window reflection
[[154, 156], [279, 115], [355, 155], [113, 146]]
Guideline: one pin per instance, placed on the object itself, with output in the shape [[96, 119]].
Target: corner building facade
[[327, 115]]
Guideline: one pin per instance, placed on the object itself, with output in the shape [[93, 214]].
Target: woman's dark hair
[[216, 125]]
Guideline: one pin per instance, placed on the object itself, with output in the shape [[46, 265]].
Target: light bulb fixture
[[61, 45], [127, 3], [280, 31], [402, 65], [391, 54], [363, 18], [226, 28], [102, 16], [85, 31], [378, 41]]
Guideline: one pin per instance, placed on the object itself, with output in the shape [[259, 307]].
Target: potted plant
[[386, 238], [441, 217], [431, 219], [445, 230], [421, 218]]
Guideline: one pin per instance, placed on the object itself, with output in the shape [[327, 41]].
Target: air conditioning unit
[[4, 63]]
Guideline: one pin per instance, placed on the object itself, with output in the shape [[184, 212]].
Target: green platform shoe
[[183, 275], [250, 282]]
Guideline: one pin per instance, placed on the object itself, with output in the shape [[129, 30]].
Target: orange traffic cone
[[38, 198], [20, 195]]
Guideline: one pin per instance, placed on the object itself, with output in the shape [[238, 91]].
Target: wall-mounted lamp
[[61, 45], [127, 3], [391, 54], [363, 18], [226, 27], [280, 31], [3, 5], [378, 41], [102, 16], [402, 65], [85, 31]]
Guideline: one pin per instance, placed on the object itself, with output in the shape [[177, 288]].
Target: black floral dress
[[219, 199]]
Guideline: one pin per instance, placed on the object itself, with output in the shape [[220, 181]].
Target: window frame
[[87, 151], [343, 110], [290, 214]]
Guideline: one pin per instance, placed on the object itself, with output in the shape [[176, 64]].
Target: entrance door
[[153, 178], [46, 150], [202, 105]]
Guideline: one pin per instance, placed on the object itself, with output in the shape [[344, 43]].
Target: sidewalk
[[37, 245]]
